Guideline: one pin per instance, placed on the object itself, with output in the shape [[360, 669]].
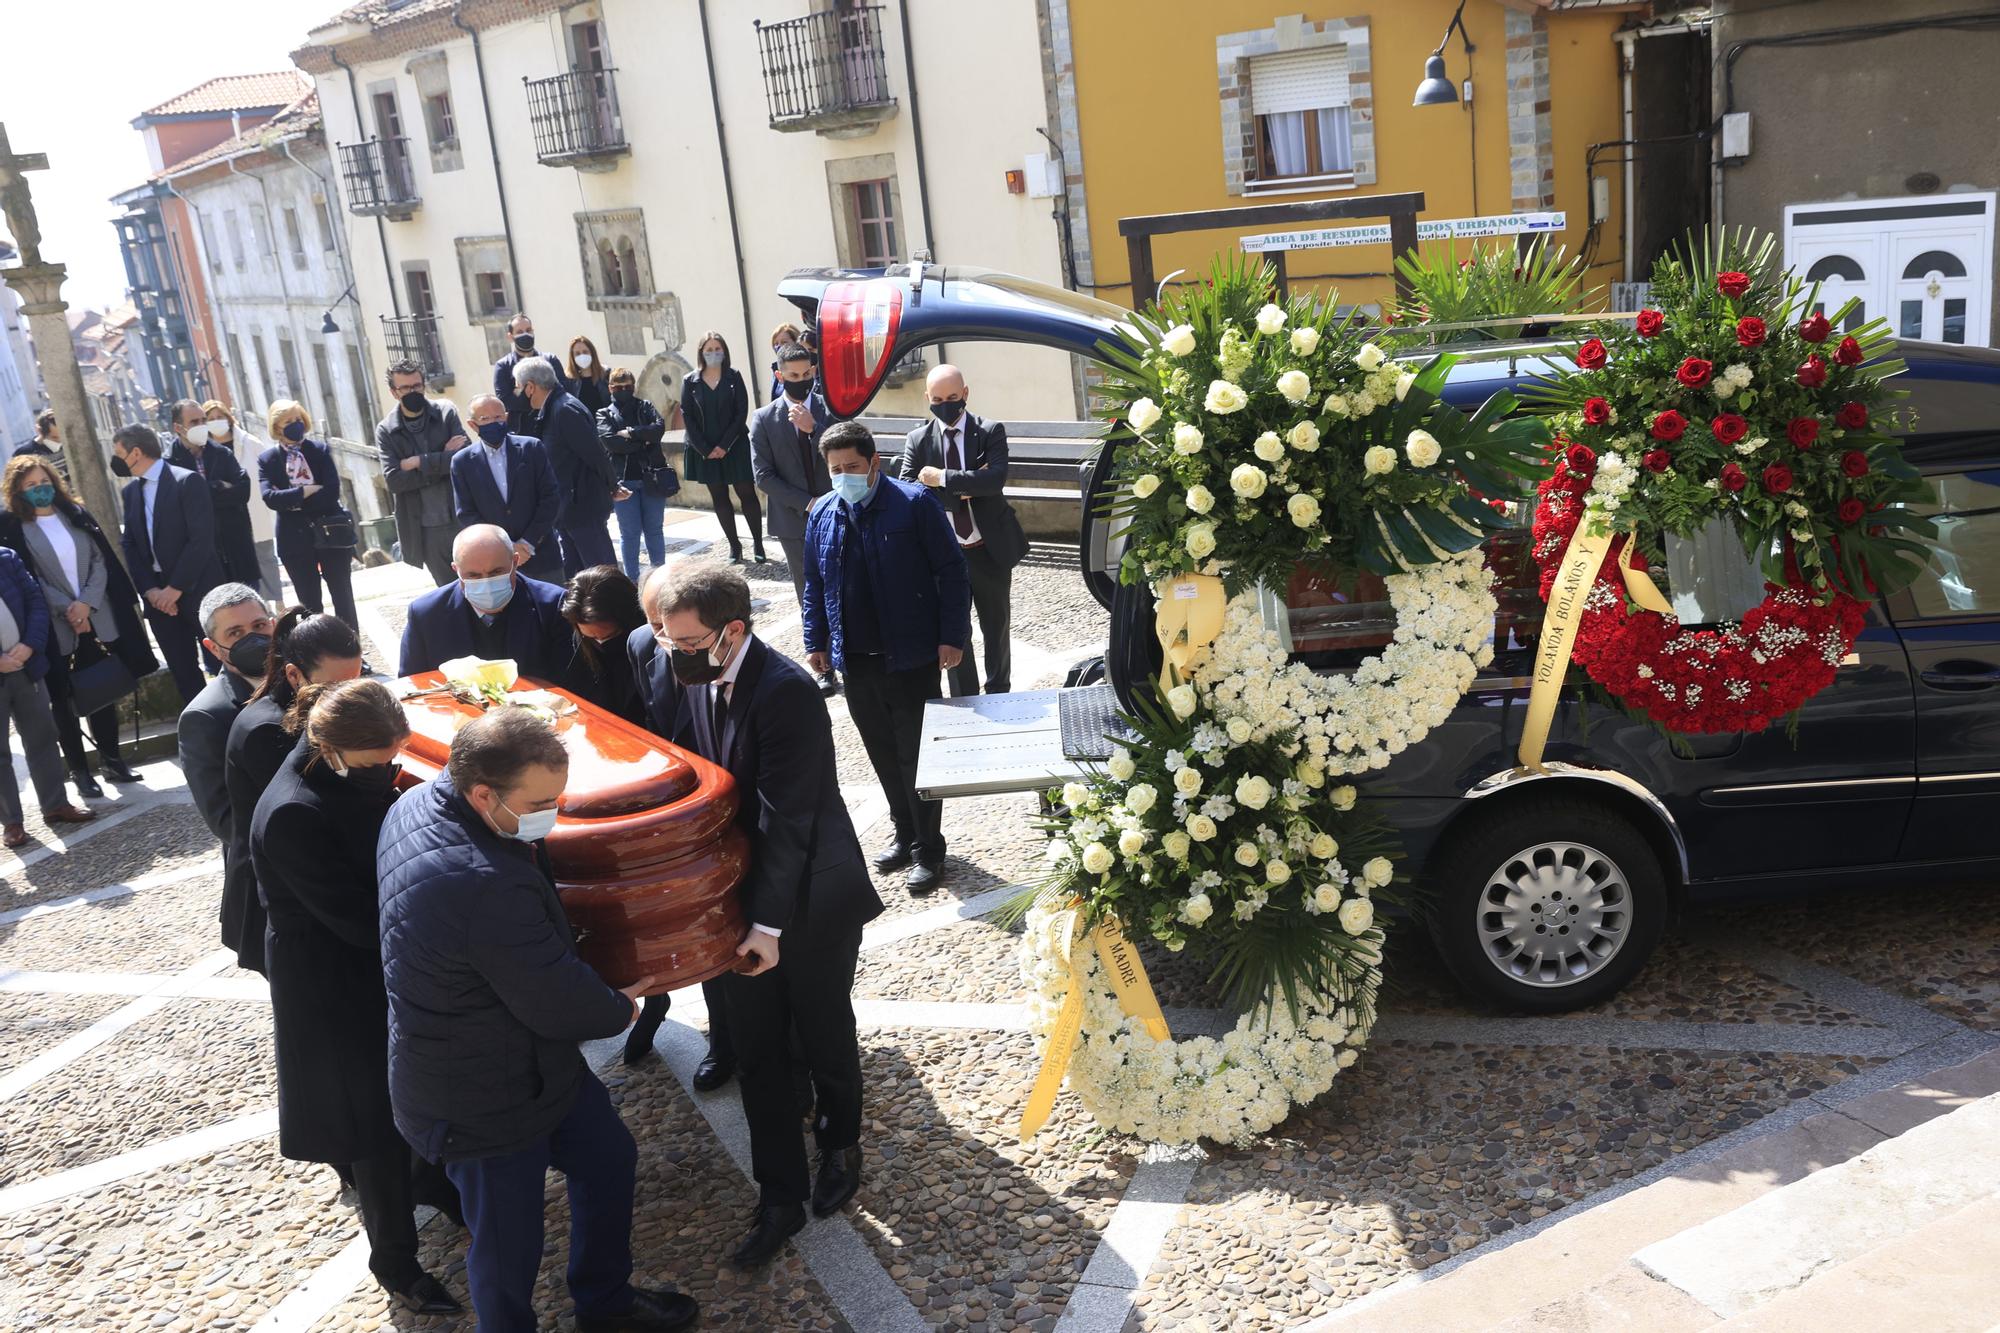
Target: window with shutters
[[1299, 106]]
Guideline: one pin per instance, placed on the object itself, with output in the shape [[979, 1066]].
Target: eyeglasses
[[692, 645]]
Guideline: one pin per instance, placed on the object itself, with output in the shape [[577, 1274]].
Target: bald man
[[490, 610], [507, 480]]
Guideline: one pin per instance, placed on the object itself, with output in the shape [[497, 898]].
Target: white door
[[1924, 264], [1934, 285]]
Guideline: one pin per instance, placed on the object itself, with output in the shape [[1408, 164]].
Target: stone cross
[[15, 201]]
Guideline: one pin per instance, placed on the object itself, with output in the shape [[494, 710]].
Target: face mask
[[949, 411], [489, 595], [197, 435], [295, 431], [40, 496], [851, 487], [494, 433], [220, 431], [701, 667], [525, 343], [798, 390], [374, 779], [414, 402], [533, 826], [625, 398], [711, 358], [119, 467], [250, 655], [584, 360]]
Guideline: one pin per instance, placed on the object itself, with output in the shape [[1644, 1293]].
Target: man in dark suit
[[521, 417], [506, 480], [786, 462], [586, 478], [236, 628], [491, 611], [758, 714], [228, 491], [169, 547], [963, 459]]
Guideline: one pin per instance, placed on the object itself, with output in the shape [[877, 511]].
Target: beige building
[[578, 162]]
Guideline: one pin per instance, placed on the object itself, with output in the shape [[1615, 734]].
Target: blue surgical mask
[[489, 595], [294, 431], [851, 487], [533, 826]]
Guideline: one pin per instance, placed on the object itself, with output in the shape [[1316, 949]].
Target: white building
[[20, 380], [573, 160]]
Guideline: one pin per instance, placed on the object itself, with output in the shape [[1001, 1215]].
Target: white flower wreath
[[1355, 722], [1226, 1088]]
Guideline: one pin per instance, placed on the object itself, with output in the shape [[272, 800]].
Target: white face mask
[[584, 360], [220, 430], [533, 826], [197, 435]]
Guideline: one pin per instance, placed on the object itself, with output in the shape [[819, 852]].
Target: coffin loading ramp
[[1030, 740]]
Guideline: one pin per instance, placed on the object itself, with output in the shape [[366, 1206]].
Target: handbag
[[96, 678], [336, 533], [663, 481]]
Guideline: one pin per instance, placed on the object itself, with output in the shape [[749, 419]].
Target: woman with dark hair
[[630, 429], [312, 843], [306, 649], [587, 374], [715, 406], [602, 608]]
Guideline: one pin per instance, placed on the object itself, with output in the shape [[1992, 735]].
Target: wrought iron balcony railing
[[575, 118], [416, 338], [827, 70], [377, 176]]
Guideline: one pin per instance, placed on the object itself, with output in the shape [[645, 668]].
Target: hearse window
[[1710, 577], [1964, 577]]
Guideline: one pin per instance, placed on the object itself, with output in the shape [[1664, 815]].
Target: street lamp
[[1437, 89], [326, 324]]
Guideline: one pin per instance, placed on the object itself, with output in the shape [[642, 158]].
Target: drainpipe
[[187, 283], [381, 231], [729, 194], [1627, 45], [492, 146], [917, 137]]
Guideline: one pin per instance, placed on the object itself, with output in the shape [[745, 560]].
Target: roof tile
[[235, 92]]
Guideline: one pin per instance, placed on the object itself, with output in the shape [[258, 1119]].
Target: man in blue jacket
[[507, 481], [490, 611], [487, 1003], [888, 604], [586, 478]]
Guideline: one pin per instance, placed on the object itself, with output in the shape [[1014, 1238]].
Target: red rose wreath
[[1731, 400]]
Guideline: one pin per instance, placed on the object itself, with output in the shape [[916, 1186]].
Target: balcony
[[576, 121], [416, 338], [827, 72], [376, 174]]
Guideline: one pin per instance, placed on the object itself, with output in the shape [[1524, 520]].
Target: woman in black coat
[[312, 840], [306, 649], [298, 479], [715, 407], [602, 608], [630, 429]]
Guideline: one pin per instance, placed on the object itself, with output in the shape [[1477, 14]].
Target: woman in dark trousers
[[602, 608], [312, 843], [715, 405], [588, 375], [306, 649], [92, 608], [298, 479], [630, 429]]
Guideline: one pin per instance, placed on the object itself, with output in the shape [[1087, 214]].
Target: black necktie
[[961, 508], [718, 713]]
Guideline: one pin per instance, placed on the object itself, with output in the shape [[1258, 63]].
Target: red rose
[[1852, 416], [1854, 463], [1732, 285], [1750, 331], [1813, 373], [1657, 460], [1848, 353], [1803, 431], [1669, 425], [1732, 477], [1694, 372], [1852, 510], [1650, 322], [1591, 356], [1777, 479], [1596, 411], [1581, 460], [1814, 328], [1728, 428]]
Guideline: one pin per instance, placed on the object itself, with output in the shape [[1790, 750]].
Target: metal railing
[[824, 66], [575, 115], [416, 338], [377, 177]]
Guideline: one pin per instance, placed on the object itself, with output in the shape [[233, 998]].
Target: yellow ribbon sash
[[1187, 619], [1135, 997]]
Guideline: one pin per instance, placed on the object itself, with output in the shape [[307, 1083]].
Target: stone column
[[39, 287]]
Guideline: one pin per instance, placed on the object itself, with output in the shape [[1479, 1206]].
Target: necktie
[[961, 508], [718, 699]]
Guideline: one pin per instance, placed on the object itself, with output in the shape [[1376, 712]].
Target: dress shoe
[[712, 1073], [86, 785], [68, 814], [651, 1310], [839, 1176], [426, 1295], [117, 770], [776, 1224], [639, 1041], [829, 684], [922, 879], [13, 835], [894, 857]]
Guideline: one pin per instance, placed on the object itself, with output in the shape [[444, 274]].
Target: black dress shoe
[[922, 879], [639, 1041], [650, 1310], [893, 857], [776, 1224], [426, 1295], [829, 684], [712, 1073], [116, 769], [839, 1176], [86, 785]]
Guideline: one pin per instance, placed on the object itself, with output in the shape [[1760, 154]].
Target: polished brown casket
[[646, 850]]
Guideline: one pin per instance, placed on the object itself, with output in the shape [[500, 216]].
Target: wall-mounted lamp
[[1437, 89]]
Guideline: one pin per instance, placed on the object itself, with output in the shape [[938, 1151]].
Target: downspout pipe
[[917, 138], [493, 147], [186, 281], [729, 192], [346, 275], [381, 230]]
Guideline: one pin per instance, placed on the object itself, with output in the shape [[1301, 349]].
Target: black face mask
[[374, 779], [697, 667], [798, 390], [414, 402], [949, 411], [626, 399], [525, 343], [118, 468], [251, 655]]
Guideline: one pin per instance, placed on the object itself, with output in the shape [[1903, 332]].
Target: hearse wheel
[[1551, 903]]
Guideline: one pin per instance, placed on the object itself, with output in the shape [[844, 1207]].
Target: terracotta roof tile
[[235, 92], [300, 116]]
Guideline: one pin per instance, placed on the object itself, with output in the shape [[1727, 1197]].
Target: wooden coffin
[[646, 849]]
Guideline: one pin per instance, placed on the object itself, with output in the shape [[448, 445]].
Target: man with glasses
[[490, 611], [417, 442], [236, 630], [507, 481]]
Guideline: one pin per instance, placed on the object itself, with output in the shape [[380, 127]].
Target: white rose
[[1146, 485], [1370, 357], [1143, 416], [1200, 827], [1253, 791], [1324, 847], [1179, 340], [1327, 898], [1075, 794], [1131, 841], [1403, 383], [1187, 781], [1182, 700], [1379, 461], [1239, 730], [1305, 437], [1422, 448], [1140, 796], [1247, 854], [1248, 480], [1295, 385], [1305, 341], [1097, 858], [1269, 447], [1378, 872], [1312, 774], [1177, 844], [1224, 398], [1199, 500], [1342, 798], [1120, 764], [1187, 439], [1197, 909], [1277, 872], [1356, 915], [1335, 405], [1270, 319], [1303, 509], [1201, 543]]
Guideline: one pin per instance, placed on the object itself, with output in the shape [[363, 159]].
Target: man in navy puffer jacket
[[487, 1002]]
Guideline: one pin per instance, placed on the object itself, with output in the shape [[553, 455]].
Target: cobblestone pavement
[[140, 1185]]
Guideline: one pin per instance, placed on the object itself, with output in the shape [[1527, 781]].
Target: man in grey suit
[[786, 461], [236, 627]]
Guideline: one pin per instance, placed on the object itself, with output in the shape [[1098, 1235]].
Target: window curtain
[[1336, 145], [1286, 131]]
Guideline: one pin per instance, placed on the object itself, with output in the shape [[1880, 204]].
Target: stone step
[[1754, 1254]]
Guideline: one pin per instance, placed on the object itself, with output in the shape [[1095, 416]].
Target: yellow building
[[1177, 105]]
